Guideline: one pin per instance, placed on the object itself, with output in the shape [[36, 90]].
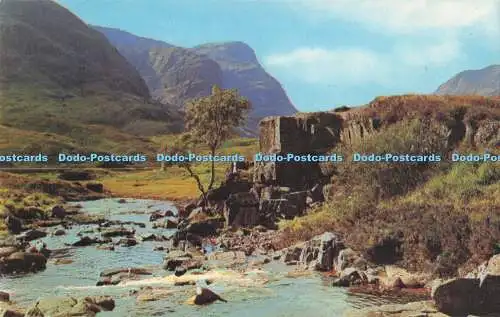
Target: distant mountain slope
[[176, 74], [485, 82], [60, 76], [242, 70]]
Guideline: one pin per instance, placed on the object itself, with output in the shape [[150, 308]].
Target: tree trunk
[[198, 182], [212, 171]]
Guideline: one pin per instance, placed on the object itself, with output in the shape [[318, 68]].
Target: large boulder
[[58, 212], [471, 295], [58, 306], [241, 210], [22, 262]]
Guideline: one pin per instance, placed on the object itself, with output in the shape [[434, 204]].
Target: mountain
[[173, 74], [59, 76], [485, 82], [176, 74], [242, 70]]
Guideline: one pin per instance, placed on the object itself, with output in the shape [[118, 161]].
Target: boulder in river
[[22, 262], [156, 215], [32, 234], [127, 242], [117, 232], [58, 212], [4, 297], [86, 241], [70, 306], [205, 296], [59, 232]]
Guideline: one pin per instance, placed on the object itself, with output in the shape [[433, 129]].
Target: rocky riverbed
[[127, 265]]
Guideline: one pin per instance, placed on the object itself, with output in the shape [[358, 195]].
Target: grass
[[175, 183], [34, 119]]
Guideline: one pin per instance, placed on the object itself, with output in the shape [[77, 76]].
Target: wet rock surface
[[59, 306], [472, 295]]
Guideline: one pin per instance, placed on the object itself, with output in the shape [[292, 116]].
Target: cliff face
[[176, 74], [182, 74], [241, 70], [484, 82], [477, 125]]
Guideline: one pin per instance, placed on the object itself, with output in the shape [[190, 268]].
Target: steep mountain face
[[175, 74], [183, 74], [44, 38], [241, 70], [485, 82], [172, 74], [58, 75]]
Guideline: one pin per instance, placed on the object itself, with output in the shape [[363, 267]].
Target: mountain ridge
[[60, 77], [484, 81], [192, 76]]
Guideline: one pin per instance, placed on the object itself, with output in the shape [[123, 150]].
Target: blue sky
[[326, 53]]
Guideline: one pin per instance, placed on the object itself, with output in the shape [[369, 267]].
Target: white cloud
[[438, 54], [408, 16], [349, 65], [359, 66]]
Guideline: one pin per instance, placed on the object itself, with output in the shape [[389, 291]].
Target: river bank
[[108, 231], [249, 283]]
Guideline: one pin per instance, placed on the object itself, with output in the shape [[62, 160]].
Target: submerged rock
[[86, 241]]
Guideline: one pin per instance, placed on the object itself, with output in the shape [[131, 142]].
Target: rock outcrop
[[241, 210], [307, 133], [479, 295], [319, 253]]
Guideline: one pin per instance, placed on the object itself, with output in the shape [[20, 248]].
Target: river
[[282, 296]]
